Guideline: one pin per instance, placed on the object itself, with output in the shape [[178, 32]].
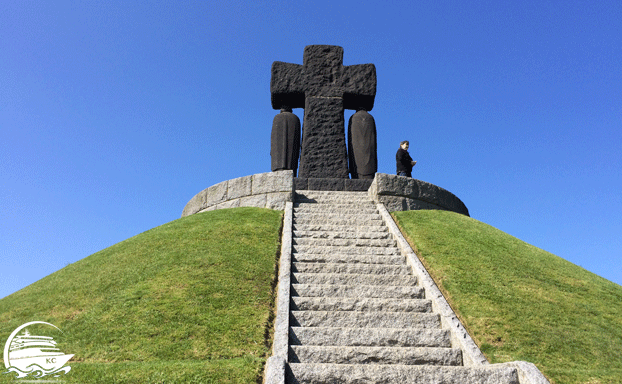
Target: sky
[[113, 115]]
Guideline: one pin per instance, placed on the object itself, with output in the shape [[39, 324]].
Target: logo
[[31, 355]]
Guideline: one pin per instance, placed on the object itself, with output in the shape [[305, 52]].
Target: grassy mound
[[189, 301], [519, 302]]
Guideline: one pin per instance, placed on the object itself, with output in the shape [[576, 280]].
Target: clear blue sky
[[114, 114]]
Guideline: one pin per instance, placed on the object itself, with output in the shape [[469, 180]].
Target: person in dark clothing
[[403, 160]]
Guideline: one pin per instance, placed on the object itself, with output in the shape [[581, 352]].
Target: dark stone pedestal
[[332, 184]]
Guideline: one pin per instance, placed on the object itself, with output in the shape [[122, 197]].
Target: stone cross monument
[[324, 87]]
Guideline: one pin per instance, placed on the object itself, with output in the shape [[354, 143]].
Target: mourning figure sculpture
[[285, 141], [323, 86], [362, 154]]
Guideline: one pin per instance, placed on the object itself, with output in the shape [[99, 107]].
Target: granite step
[[359, 304], [340, 204], [353, 201], [305, 241], [324, 227], [314, 192], [368, 205], [299, 234], [327, 209], [377, 269], [331, 196], [345, 250], [299, 373], [335, 214], [375, 355], [355, 319], [358, 290], [351, 259], [370, 337], [352, 221], [353, 279]]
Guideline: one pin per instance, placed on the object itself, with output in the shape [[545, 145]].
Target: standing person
[[403, 160]]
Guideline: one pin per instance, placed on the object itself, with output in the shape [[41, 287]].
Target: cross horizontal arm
[[287, 86], [359, 86]]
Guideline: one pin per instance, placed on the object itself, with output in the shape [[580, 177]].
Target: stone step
[[323, 196], [359, 290], [338, 215], [376, 269], [359, 304], [313, 192], [352, 259], [333, 199], [336, 220], [344, 242], [337, 206], [378, 227], [322, 209], [375, 355], [298, 373], [345, 250], [353, 203], [370, 337], [369, 204], [341, 234], [353, 279], [355, 319], [320, 234]]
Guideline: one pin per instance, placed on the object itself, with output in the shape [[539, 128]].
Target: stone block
[[393, 203], [417, 194], [194, 205], [215, 194], [301, 183], [441, 197], [228, 204], [418, 204], [277, 200], [239, 187], [358, 185], [326, 184], [280, 181], [396, 185], [258, 201]]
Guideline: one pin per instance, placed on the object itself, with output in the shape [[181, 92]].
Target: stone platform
[[273, 189]]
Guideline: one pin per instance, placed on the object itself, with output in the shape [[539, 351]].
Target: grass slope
[[519, 302], [186, 302]]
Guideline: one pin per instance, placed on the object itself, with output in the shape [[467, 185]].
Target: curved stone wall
[[263, 190], [399, 193], [273, 189]]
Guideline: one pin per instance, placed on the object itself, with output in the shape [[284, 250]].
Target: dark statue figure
[[285, 141], [324, 87], [362, 154]]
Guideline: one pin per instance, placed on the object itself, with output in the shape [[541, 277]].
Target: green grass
[[519, 302], [187, 302]]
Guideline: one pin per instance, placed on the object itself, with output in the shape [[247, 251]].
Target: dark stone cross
[[324, 87]]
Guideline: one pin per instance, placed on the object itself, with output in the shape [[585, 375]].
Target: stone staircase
[[356, 312]]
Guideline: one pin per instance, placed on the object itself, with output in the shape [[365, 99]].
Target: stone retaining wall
[[273, 189], [399, 193], [264, 190]]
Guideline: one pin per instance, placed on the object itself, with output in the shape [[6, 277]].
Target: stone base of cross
[[324, 87]]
